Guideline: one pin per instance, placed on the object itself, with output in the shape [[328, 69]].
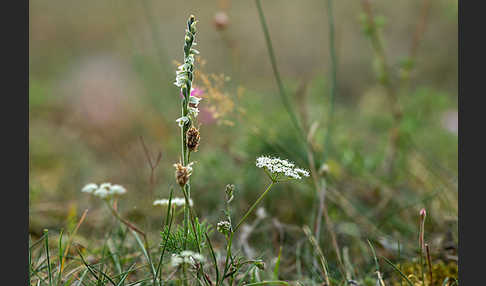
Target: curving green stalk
[[276, 73], [333, 91], [230, 238], [254, 205]]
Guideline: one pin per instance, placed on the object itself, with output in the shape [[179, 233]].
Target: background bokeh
[[101, 78]]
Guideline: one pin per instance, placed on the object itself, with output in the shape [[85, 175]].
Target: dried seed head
[[182, 173], [192, 137]]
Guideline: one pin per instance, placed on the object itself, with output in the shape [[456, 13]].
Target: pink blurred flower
[[196, 91]]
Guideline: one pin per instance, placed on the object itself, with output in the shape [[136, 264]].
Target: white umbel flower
[[104, 190], [175, 201], [102, 193], [176, 260], [187, 257], [224, 227], [118, 190], [89, 188], [279, 167]]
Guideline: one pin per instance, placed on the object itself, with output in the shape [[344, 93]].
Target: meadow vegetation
[[183, 155]]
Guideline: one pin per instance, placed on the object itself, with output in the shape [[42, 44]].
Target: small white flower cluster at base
[[224, 227], [175, 201], [281, 167], [187, 257], [104, 191]]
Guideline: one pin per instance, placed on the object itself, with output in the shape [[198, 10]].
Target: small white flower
[[224, 227], [261, 213], [182, 121], [89, 188], [118, 190], [194, 100], [193, 111], [105, 186], [102, 193]]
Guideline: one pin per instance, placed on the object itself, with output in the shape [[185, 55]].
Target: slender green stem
[[191, 217], [230, 238], [228, 256], [276, 73], [47, 254], [168, 222], [398, 270], [333, 90], [254, 206], [214, 257]]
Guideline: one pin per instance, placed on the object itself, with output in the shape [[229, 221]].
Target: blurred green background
[[101, 77]]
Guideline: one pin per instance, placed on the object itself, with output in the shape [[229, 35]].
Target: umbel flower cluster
[[224, 227], [175, 201], [278, 169], [104, 190], [187, 257]]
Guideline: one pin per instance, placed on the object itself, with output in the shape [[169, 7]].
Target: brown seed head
[[182, 174], [192, 138]]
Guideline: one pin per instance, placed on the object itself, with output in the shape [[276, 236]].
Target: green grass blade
[[377, 265], [125, 275], [277, 264], [81, 279], [213, 256], [277, 282], [139, 282], [168, 221], [92, 269], [242, 280], [145, 253], [398, 270], [60, 257], [47, 254], [322, 258]]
